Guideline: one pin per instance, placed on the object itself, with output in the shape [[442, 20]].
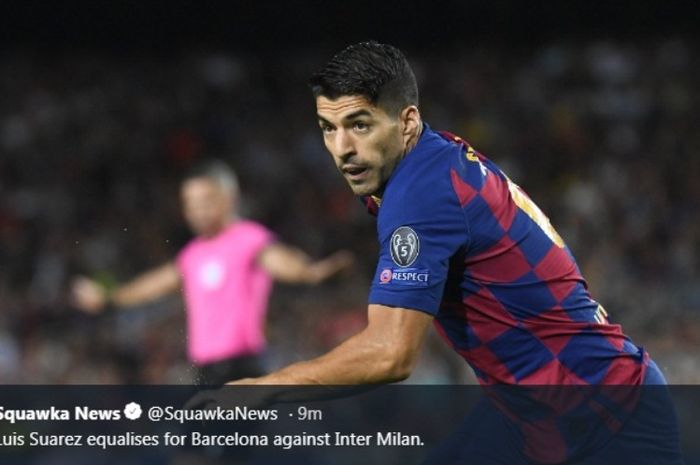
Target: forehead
[[199, 185], [341, 107]]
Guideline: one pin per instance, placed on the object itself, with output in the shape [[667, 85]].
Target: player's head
[[209, 195], [367, 106]]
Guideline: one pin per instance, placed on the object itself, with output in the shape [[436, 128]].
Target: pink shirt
[[226, 292]]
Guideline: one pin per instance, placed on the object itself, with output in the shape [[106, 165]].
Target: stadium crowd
[[601, 134]]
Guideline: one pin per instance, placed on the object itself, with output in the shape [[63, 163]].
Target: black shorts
[[230, 369]]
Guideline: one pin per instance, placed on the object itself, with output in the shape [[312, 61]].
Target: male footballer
[[464, 248]]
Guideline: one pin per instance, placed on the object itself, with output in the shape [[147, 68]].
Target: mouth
[[355, 173]]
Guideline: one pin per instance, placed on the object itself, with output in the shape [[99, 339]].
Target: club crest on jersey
[[405, 246]]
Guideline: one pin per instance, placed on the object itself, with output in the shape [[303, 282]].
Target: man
[[225, 274], [463, 247]]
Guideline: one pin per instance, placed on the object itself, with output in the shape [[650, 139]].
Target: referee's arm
[[92, 297], [291, 265], [385, 351]]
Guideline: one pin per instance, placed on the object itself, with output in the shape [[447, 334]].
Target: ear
[[410, 123]]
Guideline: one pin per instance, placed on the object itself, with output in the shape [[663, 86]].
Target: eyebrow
[[349, 117], [356, 114]]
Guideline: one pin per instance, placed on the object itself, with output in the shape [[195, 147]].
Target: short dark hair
[[378, 72], [216, 170]]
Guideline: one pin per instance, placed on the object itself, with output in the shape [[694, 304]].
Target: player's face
[[205, 205], [365, 141]]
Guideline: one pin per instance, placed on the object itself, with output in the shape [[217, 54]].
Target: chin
[[362, 190]]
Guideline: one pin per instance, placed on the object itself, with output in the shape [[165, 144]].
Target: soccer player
[[464, 248], [225, 273]]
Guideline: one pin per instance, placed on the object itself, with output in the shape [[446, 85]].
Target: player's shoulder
[[423, 166], [423, 179]]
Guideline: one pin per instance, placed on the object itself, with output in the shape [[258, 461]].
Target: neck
[[412, 142], [225, 224]]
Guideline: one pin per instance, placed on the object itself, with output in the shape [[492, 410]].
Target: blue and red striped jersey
[[461, 241]]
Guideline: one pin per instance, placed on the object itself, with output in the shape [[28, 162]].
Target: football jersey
[[461, 241]]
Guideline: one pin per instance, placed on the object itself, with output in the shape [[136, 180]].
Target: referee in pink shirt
[[226, 275]]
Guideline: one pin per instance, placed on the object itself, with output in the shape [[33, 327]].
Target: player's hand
[[88, 295]]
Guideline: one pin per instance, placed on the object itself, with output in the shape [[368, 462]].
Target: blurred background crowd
[[601, 132]]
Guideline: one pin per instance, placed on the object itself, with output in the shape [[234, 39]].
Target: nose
[[344, 145]]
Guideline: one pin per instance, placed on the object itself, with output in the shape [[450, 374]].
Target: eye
[[360, 126], [327, 129]]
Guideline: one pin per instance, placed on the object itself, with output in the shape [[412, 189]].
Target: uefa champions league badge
[[405, 246]]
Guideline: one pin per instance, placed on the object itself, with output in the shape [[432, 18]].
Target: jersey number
[[533, 211], [522, 201]]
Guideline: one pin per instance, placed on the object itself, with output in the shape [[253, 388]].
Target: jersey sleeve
[[420, 229]]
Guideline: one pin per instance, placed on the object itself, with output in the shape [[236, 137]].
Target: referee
[[225, 273]]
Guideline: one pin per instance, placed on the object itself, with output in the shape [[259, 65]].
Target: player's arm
[[92, 297], [385, 351], [291, 265]]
